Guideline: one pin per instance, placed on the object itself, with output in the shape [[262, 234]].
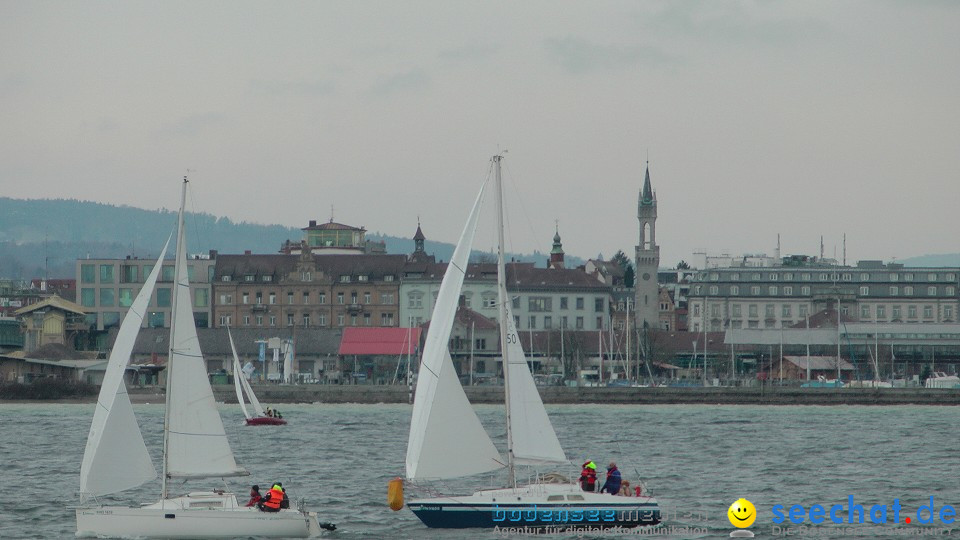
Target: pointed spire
[[647, 196], [418, 239]]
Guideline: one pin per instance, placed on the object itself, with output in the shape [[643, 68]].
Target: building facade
[[307, 290], [782, 296], [107, 287]]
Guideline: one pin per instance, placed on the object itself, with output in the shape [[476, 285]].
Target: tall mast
[[505, 335], [177, 269]]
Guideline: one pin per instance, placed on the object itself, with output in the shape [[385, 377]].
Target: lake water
[[696, 459]]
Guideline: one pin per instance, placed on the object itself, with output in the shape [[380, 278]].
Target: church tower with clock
[[647, 259]]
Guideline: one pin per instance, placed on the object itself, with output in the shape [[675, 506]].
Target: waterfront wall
[[272, 394]]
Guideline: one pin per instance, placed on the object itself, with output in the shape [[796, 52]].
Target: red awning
[[379, 341]]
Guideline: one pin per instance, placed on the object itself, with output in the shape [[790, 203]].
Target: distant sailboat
[[195, 445], [447, 439], [242, 387]]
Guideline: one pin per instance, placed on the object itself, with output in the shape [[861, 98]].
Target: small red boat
[[265, 421]]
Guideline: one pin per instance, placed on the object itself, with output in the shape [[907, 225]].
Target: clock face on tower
[[646, 277]]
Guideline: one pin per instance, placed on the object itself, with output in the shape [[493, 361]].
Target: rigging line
[[523, 208]]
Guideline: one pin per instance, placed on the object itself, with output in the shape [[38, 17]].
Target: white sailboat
[[447, 439], [242, 387], [195, 445]]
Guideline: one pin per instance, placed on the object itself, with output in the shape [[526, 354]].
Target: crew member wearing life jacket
[[273, 500], [588, 476]]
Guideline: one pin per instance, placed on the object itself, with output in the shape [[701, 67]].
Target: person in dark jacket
[[612, 485], [588, 476]]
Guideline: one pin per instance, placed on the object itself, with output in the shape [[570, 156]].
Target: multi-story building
[[107, 287], [781, 296], [307, 290]]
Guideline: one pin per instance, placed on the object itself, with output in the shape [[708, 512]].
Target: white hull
[[197, 515]]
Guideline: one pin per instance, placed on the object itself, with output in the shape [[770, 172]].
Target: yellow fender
[[395, 494]]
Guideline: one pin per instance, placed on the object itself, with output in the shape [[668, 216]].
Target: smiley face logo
[[742, 513]]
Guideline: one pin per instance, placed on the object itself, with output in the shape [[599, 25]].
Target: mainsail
[[197, 445], [116, 457], [447, 439]]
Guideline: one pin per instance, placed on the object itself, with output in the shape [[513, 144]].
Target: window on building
[[864, 312], [864, 291], [864, 277], [912, 312], [322, 319], [259, 320], [226, 299], [225, 278], [547, 322], [894, 290], [388, 277], [125, 298], [714, 290], [736, 310], [273, 299], [533, 322], [290, 298], [386, 319], [931, 277], [128, 274], [881, 312], [803, 310], [106, 273], [225, 320], [908, 290], [366, 319], [563, 302], [786, 311], [306, 298], [951, 291], [249, 277], [88, 273], [805, 290], [259, 298], [698, 290], [353, 298], [156, 319], [321, 298], [273, 320], [537, 304], [927, 312], [362, 277], [948, 313], [714, 311], [387, 300], [598, 305], [579, 323], [563, 322], [306, 276], [804, 277], [696, 310], [769, 311], [366, 298], [755, 290], [734, 290], [931, 291], [895, 312], [415, 300], [734, 277], [579, 302], [163, 297], [772, 290], [245, 299], [246, 320], [340, 298], [489, 301], [344, 279]]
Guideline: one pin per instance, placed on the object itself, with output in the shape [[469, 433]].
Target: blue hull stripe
[[462, 516]]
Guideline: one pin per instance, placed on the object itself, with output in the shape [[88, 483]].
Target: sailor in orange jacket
[[271, 503]]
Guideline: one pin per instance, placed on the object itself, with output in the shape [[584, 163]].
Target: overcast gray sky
[[800, 118]]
